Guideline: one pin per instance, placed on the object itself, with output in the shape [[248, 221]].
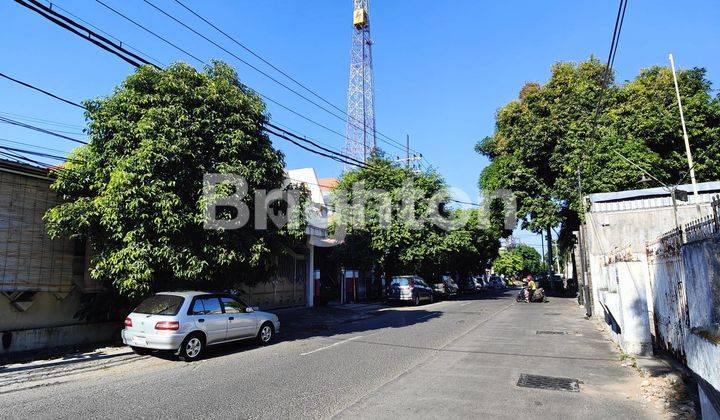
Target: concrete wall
[[24, 341], [624, 305], [701, 265], [685, 289], [609, 231], [47, 310]]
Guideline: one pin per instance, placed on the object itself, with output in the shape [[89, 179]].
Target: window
[[160, 305], [232, 306], [198, 308], [212, 306], [400, 281]]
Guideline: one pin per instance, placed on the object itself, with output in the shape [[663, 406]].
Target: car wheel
[[432, 298], [416, 300], [141, 351], [266, 334], [192, 348]]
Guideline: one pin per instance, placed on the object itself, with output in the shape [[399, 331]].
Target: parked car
[[450, 286], [189, 322], [495, 282], [439, 289], [409, 289], [472, 285]]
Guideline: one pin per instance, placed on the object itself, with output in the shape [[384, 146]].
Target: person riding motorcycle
[[530, 288]]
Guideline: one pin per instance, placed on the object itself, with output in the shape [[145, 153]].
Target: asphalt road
[[452, 359]]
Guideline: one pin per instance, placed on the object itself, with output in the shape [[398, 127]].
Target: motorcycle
[[537, 296]]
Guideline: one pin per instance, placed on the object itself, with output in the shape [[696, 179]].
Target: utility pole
[[685, 135], [407, 149], [409, 160]]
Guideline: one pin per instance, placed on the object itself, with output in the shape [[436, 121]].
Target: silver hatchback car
[[188, 322]]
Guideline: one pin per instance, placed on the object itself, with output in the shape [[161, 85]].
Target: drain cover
[[553, 313], [550, 332], [548, 382]]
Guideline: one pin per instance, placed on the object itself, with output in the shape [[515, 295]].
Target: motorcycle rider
[[530, 288]]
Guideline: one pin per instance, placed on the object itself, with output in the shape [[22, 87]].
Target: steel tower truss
[[360, 132]]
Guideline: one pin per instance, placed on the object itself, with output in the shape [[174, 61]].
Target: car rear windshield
[[400, 281], [160, 305]]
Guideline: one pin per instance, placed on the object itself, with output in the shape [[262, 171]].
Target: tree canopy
[[555, 137], [518, 260], [135, 192], [408, 242]]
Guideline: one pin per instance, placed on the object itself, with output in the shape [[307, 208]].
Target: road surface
[[451, 359]]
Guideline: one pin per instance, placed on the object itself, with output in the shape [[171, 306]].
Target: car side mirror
[[249, 309]]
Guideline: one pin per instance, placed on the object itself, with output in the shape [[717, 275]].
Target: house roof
[[704, 188], [327, 184], [19, 168]]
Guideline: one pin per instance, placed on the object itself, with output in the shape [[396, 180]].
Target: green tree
[[135, 191], [470, 248], [407, 242], [518, 260], [555, 133]]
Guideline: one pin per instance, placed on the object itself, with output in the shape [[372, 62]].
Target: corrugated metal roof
[[704, 188], [18, 168]]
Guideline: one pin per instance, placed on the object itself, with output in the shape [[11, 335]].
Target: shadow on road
[[327, 322], [300, 324]]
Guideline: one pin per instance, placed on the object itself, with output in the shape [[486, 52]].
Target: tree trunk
[[550, 259]]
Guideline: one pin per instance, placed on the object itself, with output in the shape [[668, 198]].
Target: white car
[[188, 322]]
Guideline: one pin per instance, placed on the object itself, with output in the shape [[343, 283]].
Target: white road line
[[467, 303], [331, 345], [427, 316]]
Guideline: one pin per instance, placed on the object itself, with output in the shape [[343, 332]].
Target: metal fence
[[704, 227]]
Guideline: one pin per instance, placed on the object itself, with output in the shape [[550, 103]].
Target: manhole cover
[[548, 382], [550, 332]]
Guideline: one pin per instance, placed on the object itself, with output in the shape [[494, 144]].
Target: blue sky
[[442, 69]]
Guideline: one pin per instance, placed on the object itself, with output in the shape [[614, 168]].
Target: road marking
[[467, 303], [331, 345], [427, 316]]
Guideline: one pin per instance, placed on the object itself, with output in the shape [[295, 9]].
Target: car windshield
[[160, 305], [400, 281]]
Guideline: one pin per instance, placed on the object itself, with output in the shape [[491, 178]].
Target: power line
[[21, 143], [39, 154], [41, 91], [39, 129], [123, 51], [83, 32], [186, 52], [201, 61], [315, 144], [23, 158], [42, 121], [119, 50], [259, 57], [55, 5], [337, 156], [150, 32]]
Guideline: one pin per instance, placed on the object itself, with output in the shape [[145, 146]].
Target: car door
[[240, 323], [208, 314], [423, 287]]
